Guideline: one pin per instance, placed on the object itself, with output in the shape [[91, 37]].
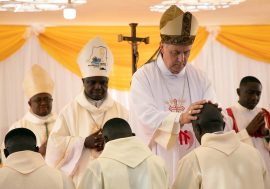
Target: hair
[[116, 128], [209, 120], [247, 79], [20, 139]]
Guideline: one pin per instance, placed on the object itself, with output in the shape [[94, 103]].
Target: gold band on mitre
[[177, 27]]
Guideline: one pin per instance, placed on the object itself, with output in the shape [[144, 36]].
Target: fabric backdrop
[[225, 64]]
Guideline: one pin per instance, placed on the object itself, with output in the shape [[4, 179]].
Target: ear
[[106, 139], [6, 152], [36, 149], [238, 91], [161, 47], [223, 125], [199, 130]]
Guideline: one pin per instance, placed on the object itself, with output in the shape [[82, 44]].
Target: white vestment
[[27, 169], [79, 119], [222, 162], [157, 99], [243, 117], [37, 125], [126, 163]]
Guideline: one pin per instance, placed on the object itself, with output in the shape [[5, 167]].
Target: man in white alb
[[251, 123], [25, 167], [167, 91], [38, 88], [76, 138]]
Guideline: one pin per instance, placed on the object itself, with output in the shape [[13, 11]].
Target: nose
[[97, 85], [181, 57]]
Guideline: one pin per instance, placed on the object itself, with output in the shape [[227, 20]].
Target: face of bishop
[[41, 104], [175, 57], [95, 87]]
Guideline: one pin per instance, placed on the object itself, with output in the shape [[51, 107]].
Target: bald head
[[116, 128], [19, 139], [209, 120]]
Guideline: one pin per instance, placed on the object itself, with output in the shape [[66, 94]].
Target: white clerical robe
[[126, 163], [27, 169], [157, 98], [79, 119], [222, 162], [243, 117], [37, 125]]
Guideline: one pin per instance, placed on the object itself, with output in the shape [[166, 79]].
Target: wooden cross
[[134, 44]]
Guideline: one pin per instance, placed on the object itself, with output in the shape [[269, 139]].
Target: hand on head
[[209, 120], [95, 141], [188, 115]]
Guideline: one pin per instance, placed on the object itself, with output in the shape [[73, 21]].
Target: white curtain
[[224, 67], [13, 103]]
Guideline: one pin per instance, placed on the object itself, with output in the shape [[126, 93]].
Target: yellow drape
[[11, 39], [64, 44], [252, 41]]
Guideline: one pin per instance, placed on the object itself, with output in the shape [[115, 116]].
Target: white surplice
[[27, 169], [79, 119], [222, 162], [37, 125], [243, 117], [126, 163], [157, 99]]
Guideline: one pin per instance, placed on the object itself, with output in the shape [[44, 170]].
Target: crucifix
[[134, 44]]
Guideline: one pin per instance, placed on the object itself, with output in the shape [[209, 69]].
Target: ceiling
[[123, 12]]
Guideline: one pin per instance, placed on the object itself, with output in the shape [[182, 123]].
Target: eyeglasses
[[39, 100]]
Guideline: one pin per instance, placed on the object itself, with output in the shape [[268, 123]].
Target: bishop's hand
[[188, 116], [95, 141], [42, 149]]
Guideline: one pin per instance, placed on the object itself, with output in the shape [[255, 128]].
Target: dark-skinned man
[[38, 88], [76, 138], [249, 121], [126, 162], [25, 167], [222, 161]]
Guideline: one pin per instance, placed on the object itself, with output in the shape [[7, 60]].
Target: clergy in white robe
[[126, 162], [222, 161], [40, 126], [76, 137], [25, 168], [38, 88], [166, 92], [251, 123]]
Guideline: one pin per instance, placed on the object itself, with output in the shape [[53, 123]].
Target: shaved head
[[20, 139], [116, 128], [209, 120]]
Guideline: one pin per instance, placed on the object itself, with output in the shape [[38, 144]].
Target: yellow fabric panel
[[252, 41], [64, 44], [11, 39]]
